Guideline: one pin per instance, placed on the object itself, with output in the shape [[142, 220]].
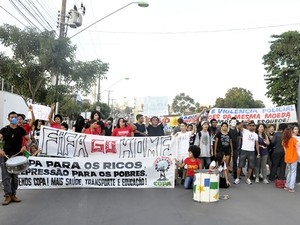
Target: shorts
[[250, 155]]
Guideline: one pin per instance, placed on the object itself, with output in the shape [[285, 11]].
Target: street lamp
[[108, 89], [141, 4]]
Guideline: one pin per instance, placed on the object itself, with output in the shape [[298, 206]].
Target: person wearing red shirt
[[27, 126], [92, 128], [123, 129], [193, 163], [57, 118]]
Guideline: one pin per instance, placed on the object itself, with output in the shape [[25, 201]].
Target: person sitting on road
[[193, 163]]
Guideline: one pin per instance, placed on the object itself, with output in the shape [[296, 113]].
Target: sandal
[[285, 188], [292, 190]]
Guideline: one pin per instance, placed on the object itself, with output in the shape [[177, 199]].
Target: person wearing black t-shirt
[[139, 126], [154, 128], [12, 135]]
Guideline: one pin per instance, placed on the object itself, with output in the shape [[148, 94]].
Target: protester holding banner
[[109, 126], [154, 128], [12, 135], [36, 130], [249, 145], [140, 127], [93, 128], [289, 144], [26, 125], [96, 115], [261, 162], [57, 118], [122, 129], [78, 125]]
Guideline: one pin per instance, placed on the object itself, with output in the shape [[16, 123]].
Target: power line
[[24, 16], [30, 12], [13, 16], [196, 32]]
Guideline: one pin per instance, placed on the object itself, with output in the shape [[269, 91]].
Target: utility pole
[[61, 35], [62, 19]]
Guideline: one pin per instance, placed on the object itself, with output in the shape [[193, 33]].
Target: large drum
[[206, 186], [17, 164]]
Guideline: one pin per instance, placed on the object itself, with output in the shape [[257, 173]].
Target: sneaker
[[256, 180], [248, 181], [237, 181], [265, 181]]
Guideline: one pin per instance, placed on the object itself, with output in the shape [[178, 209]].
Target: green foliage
[[282, 66], [39, 59], [238, 98], [183, 103], [104, 109]]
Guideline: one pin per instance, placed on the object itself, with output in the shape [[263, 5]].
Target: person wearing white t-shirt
[[249, 145], [182, 144]]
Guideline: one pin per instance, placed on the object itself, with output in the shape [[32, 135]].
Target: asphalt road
[[247, 204]]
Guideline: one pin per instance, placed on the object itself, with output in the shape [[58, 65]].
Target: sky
[[201, 48]]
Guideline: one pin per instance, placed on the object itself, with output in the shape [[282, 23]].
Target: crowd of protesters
[[240, 148]]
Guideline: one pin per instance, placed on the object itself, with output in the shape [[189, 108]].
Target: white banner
[[281, 114], [50, 173], [54, 142], [155, 106], [41, 112]]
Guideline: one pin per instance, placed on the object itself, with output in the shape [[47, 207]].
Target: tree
[[282, 66], [39, 59], [238, 98], [183, 103]]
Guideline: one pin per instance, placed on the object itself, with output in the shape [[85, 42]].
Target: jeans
[[261, 163], [9, 181], [188, 182], [205, 162], [291, 175]]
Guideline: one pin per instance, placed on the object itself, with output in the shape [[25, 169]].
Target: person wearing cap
[[249, 145], [204, 141]]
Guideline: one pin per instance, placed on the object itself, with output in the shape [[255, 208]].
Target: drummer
[[12, 136]]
